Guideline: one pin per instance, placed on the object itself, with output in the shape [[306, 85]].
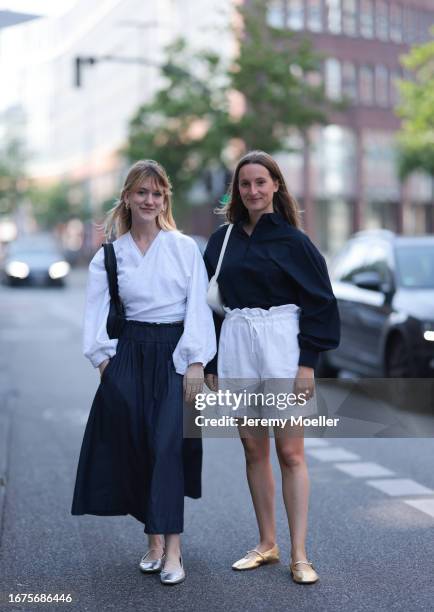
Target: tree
[[13, 182], [54, 204], [190, 122], [180, 127], [416, 138], [276, 72]]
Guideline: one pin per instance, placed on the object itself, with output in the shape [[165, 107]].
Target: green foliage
[[180, 126], [53, 205], [12, 175], [188, 125], [276, 73], [416, 139]]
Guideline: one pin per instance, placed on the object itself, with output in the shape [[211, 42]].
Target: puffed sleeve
[[197, 343], [210, 257], [319, 316], [97, 346]]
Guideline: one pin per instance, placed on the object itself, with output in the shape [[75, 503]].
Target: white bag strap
[[223, 249]]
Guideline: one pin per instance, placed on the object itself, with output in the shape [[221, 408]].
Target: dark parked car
[[35, 260], [384, 285]]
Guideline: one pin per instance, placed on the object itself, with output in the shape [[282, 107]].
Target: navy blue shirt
[[278, 264]]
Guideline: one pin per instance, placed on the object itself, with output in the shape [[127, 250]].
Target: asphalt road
[[371, 526]]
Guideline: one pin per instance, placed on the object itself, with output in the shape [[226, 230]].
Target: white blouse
[[166, 284]]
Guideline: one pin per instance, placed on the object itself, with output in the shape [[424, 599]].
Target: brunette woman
[[280, 313]]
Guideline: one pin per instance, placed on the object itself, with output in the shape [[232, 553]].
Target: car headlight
[[17, 269], [59, 269], [428, 330]]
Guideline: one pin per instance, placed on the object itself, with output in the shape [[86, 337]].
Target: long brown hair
[[283, 201], [118, 219]]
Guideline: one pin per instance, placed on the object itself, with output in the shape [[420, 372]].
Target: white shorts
[[259, 348]]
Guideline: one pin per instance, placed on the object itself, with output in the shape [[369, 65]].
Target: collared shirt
[[166, 284], [277, 264]]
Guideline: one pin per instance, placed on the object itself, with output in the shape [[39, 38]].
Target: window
[[415, 265], [366, 77], [349, 81], [396, 23], [381, 86], [378, 260], [363, 255], [382, 20], [349, 17], [295, 14], [333, 80], [314, 15], [367, 18], [334, 16], [410, 25], [276, 14], [351, 261]]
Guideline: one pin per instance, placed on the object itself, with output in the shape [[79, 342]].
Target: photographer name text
[[230, 421]]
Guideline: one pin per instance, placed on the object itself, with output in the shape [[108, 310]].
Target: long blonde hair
[[118, 219], [283, 201]]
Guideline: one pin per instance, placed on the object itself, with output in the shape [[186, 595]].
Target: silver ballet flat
[[151, 566], [175, 577]]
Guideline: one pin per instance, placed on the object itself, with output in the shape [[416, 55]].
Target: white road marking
[[400, 486], [363, 469], [314, 442], [424, 505], [332, 454]]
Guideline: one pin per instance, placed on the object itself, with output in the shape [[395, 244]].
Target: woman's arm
[[197, 344], [319, 316]]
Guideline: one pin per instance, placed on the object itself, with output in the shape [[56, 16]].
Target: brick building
[[347, 180]]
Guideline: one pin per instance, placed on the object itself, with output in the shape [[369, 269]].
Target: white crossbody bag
[[214, 297]]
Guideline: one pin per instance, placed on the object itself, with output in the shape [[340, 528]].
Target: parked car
[[35, 260], [384, 285]]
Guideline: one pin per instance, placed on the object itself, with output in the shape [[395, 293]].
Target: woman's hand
[[102, 366], [212, 382], [304, 383], [193, 381]]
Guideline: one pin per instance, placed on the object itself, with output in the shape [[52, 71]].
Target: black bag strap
[[112, 273]]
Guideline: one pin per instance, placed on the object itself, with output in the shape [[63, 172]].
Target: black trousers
[[134, 458]]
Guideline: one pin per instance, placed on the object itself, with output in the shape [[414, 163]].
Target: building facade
[[348, 179], [77, 133]]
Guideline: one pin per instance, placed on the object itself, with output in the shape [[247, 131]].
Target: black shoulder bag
[[116, 316]]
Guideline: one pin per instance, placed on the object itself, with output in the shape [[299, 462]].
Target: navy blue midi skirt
[[134, 458]]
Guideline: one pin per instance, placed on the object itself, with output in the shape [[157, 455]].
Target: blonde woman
[[280, 313], [134, 459]]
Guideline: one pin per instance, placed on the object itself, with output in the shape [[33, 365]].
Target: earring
[[127, 206]]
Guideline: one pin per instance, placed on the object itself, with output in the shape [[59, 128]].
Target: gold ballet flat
[[305, 574], [254, 558]]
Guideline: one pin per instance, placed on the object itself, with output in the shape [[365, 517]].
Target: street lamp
[[81, 61]]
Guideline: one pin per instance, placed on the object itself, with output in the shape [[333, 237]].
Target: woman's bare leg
[[295, 488], [155, 546], [173, 551], [261, 483]]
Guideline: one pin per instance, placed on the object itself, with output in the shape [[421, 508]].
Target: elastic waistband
[[275, 312]]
